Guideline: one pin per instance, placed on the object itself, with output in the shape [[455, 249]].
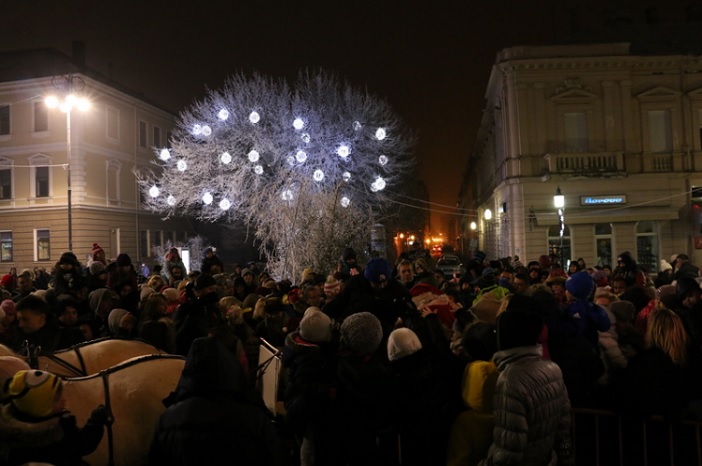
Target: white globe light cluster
[[207, 198], [301, 156], [380, 134], [182, 165], [253, 156], [383, 160], [171, 200], [254, 117], [378, 184], [164, 155], [318, 175], [226, 158], [154, 191], [223, 114], [298, 123], [343, 151]]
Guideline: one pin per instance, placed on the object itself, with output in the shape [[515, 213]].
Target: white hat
[[402, 342]]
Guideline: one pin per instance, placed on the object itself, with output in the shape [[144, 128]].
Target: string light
[[254, 117], [182, 165], [253, 156], [223, 114], [345, 201], [298, 124], [164, 155], [380, 134], [301, 156], [226, 158], [207, 198], [171, 201], [154, 191], [318, 175], [343, 151]]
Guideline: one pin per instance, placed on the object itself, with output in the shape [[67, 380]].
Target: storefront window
[[647, 245], [603, 244]]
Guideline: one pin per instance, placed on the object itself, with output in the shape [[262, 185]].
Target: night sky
[[430, 59]]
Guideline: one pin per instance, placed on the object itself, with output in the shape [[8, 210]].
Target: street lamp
[[66, 101], [559, 204]]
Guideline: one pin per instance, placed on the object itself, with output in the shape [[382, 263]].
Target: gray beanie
[[361, 333], [316, 326], [402, 342]]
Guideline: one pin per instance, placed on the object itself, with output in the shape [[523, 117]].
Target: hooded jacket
[[212, 417]]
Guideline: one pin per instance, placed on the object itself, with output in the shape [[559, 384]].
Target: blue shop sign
[[603, 200]]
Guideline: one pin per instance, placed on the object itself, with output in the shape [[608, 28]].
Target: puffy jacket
[[532, 411]]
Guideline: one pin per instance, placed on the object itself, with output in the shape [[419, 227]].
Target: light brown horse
[[133, 392], [87, 358]]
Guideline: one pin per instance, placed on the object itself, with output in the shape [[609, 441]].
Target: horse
[[87, 358], [133, 393]]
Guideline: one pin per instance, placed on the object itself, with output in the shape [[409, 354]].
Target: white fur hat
[[402, 342]]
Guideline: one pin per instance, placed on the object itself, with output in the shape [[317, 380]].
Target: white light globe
[[171, 200], [298, 124], [254, 155], [207, 198], [164, 155], [182, 165], [357, 125], [258, 169], [346, 176], [380, 134], [226, 158], [318, 175], [380, 183], [345, 201], [343, 151], [374, 187], [301, 156], [383, 160], [206, 131], [224, 204], [287, 195], [197, 130], [291, 160], [51, 101], [83, 104], [254, 117], [223, 114], [305, 138], [154, 191]]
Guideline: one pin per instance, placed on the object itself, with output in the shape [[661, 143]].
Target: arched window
[[563, 251], [603, 244], [647, 245]]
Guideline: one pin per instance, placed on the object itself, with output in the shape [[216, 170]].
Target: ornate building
[[77, 166], [620, 134]]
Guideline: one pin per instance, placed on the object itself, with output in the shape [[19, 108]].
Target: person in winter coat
[[309, 360], [35, 427], [531, 405], [213, 417]]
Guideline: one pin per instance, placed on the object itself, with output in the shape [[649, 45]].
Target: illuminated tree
[[307, 167]]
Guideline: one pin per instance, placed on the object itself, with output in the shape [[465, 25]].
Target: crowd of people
[[382, 363]]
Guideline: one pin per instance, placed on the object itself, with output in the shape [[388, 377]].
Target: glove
[[98, 416], [67, 421]]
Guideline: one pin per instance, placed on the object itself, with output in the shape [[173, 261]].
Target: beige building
[[618, 133], [108, 142]]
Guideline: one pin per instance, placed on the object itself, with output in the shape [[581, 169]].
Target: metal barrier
[[604, 438]]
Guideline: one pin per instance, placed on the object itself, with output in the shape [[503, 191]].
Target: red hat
[[96, 249], [6, 281]]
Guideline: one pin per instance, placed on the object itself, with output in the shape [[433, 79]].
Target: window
[[5, 179], [647, 245], [660, 131], [40, 176], [156, 241], [144, 243], [41, 117], [157, 136], [603, 244], [113, 174], [142, 134], [564, 253], [575, 132], [41, 182], [113, 123], [4, 120], [42, 248], [5, 246]]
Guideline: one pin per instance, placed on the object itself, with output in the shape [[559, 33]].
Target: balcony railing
[[585, 163]]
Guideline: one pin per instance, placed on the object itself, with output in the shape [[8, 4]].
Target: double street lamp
[[66, 101]]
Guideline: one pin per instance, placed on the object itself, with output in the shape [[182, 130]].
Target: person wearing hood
[[213, 417], [197, 316]]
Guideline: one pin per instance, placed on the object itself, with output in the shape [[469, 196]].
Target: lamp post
[[559, 204], [66, 101]]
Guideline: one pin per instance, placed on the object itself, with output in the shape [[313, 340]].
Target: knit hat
[[96, 250], [203, 281], [402, 342], [623, 311], [580, 285], [8, 306], [245, 272], [316, 326], [518, 327], [665, 265], [332, 285], [486, 308], [6, 281], [361, 333], [96, 297], [479, 256], [68, 258], [114, 320], [9, 366], [33, 392], [96, 268], [377, 270]]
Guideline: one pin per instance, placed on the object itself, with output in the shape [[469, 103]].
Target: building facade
[[619, 134], [109, 143]]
